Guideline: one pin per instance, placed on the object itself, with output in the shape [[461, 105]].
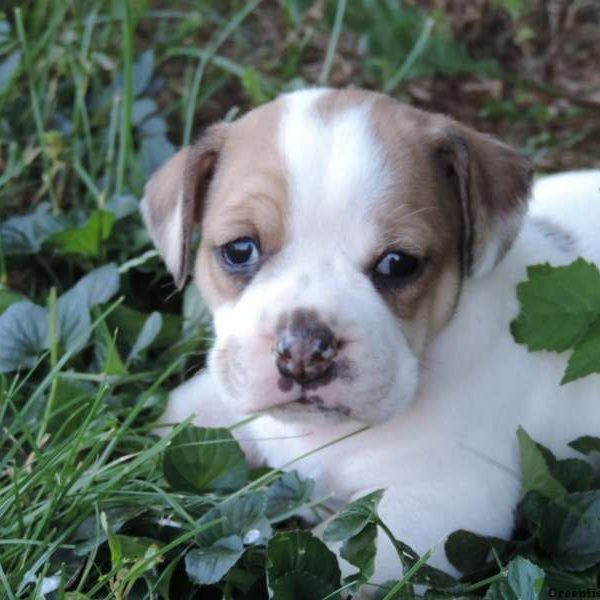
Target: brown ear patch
[[174, 199], [492, 182]]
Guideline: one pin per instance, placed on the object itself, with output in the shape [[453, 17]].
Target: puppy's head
[[337, 228]]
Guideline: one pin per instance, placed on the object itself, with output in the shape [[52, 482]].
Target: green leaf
[[353, 518], [571, 531], [87, 239], [286, 495], [525, 578], [148, 333], [535, 472], [586, 444], [300, 566], [209, 565], [24, 334], [122, 206], [574, 474], [360, 551], [73, 307], [557, 305], [301, 586], [25, 234], [585, 359], [468, 551], [142, 109], [142, 70], [202, 459], [524, 581], [242, 516]]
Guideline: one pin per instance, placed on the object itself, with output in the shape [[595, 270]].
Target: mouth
[[314, 403]]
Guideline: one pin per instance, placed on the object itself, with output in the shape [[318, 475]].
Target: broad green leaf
[[535, 472], [360, 550], [155, 150], [143, 69], [532, 507], [23, 335], [209, 565], [98, 286], [286, 495], [565, 581], [87, 239], [122, 206], [354, 517], [142, 109], [586, 444], [524, 581], [73, 307], [74, 321], [557, 305], [585, 359], [575, 475], [301, 586], [468, 551], [243, 516], [25, 234], [525, 578], [148, 333], [202, 459], [294, 557], [577, 519]]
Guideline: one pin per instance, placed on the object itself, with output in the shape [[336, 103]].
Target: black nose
[[305, 353]]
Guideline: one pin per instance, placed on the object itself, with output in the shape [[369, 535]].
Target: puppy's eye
[[399, 266], [241, 254]]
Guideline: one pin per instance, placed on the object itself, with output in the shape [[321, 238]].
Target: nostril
[[282, 349]]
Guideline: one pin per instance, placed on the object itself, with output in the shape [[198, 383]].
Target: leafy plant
[[560, 311], [93, 96]]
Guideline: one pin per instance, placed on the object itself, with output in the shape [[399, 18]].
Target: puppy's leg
[[200, 398]]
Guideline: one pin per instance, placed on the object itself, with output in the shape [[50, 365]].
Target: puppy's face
[[336, 231]]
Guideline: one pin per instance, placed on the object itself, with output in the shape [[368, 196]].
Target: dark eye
[[398, 266], [240, 255]]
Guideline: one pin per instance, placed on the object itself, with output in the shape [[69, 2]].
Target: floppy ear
[[174, 196], [493, 183]]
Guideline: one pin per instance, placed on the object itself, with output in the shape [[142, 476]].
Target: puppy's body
[[431, 365]]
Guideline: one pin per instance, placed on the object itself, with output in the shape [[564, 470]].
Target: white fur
[[450, 459], [336, 175], [168, 235]]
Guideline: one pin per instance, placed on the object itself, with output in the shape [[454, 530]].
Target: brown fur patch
[[248, 197]]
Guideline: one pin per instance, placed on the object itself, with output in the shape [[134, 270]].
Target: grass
[[94, 96]]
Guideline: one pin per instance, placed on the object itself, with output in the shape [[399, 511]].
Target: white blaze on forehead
[[336, 173]]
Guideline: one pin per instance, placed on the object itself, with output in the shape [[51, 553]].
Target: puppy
[[360, 259]]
